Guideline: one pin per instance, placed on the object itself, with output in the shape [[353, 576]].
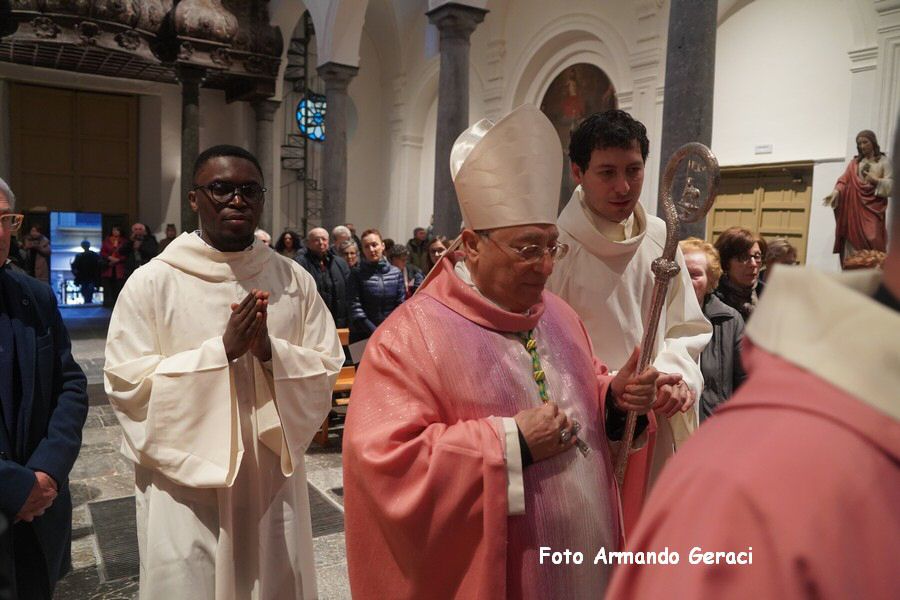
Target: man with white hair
[[331, 273], [338, 235], [43, 406], [459, 452]]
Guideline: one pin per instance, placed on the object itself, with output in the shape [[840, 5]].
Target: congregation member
[[460, 457], [608, 281], [288, 244], [330, 272], [352, 229], [418, 248], [741, 253], [220, 360], [86, 270], [171, 234], [140, 248], [778, 252], [36, 247], [375, 290], [349, 251], [43, 406], [720, 361], [799, 471], [436, 248], [263, 236], [339, 235], [412, 275], [113, 262]]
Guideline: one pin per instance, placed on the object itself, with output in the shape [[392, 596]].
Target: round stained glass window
[[311, 116]]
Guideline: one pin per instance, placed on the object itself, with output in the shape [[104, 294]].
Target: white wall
[[783, 79], [368, 144]]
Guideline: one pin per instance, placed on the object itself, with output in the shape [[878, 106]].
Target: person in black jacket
[[140, 248], [331, 273], [376, 288], [86, 269], [43, 406]]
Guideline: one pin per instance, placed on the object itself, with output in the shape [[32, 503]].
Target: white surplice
[[610, 285], [218, 447]]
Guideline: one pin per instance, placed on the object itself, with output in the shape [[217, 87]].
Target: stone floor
[[101, 473]]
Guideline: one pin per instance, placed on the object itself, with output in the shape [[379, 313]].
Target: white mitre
[[508, 173]]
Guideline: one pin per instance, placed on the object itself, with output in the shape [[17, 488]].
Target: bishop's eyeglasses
[[533, 253]]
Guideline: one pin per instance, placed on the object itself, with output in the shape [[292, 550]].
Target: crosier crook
[[689, 209]]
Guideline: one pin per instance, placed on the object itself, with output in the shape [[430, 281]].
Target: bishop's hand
[[636, 391], [543, 427]]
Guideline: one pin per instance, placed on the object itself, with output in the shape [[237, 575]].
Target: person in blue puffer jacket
[[375, 288]]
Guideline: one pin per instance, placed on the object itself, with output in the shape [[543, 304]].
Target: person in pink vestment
[[477, 438], [798, 476]]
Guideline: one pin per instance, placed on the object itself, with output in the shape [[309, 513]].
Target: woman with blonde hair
[[720, 361]]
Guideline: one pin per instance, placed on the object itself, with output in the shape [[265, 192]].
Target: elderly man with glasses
[[43, 406], [220, 361], [481, 422]]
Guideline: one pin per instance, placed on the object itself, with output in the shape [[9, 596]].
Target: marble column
[[265, 113], [334, 164], [456, 22], [690, 75], [190, 78], [5, 133]]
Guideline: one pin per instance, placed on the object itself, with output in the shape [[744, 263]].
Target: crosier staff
[[689, 209]]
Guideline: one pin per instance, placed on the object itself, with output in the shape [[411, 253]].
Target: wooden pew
[[340, 395]]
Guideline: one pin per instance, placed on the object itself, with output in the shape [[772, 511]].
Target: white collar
[[829, 325]]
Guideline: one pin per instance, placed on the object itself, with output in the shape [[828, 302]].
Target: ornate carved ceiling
[[231, 40]]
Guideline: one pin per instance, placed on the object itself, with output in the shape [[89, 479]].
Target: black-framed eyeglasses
[[12, 221], [223, 192], [745, 259], [533, 253]]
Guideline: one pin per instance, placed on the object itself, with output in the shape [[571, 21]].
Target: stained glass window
[[311, 116]]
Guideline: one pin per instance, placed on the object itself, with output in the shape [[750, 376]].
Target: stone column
[[5, 134], [265, 112], [334, 161], [456, 22], [690, 75], [190, 78]]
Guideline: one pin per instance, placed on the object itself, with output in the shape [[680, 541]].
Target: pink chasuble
[[793, 470], [424, 472]]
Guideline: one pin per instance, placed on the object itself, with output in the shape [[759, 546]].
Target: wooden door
[[74, 150], [770, 200]]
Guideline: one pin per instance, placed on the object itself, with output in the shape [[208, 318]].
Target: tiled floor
[[101, 473]]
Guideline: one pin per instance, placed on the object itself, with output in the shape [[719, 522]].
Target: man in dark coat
[[140, 248], [330, 271], [418, 249], [43, 406], [86, 269]]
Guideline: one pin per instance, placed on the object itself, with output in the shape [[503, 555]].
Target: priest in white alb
[[477, 439], [220, 360], [608, 281]]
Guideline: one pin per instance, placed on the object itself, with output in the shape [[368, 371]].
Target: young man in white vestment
[[607, 280], [220, 360]]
